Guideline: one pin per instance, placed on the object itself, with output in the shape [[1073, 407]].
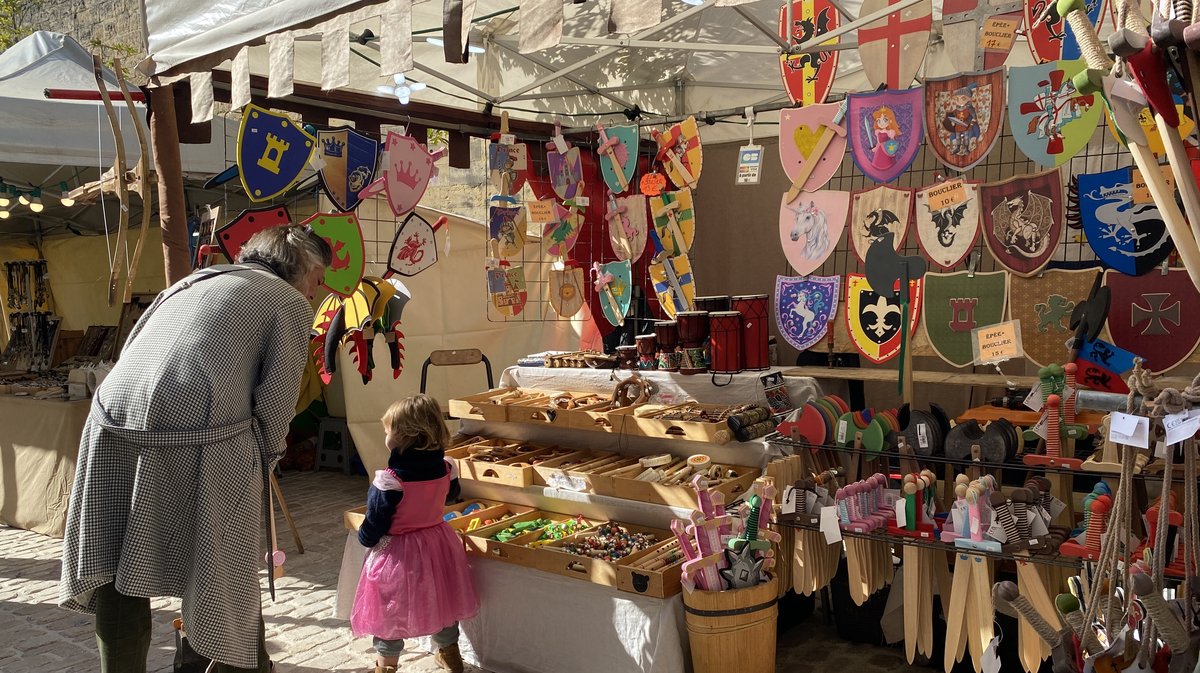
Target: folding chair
[[456, 358]]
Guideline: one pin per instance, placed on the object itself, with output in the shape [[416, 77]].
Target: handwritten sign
[[541, 212], [946, 194], [999, 33], [749, 167], [997, 343], [1141, 193]]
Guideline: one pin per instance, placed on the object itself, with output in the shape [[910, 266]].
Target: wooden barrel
[[733, 630]]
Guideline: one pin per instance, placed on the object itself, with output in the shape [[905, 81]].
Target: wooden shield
[[947, 221], [627, 227], [874, 321], [616, 293], [804, 307], [876, 211], [963, 116], [414, 248], [957, 303], [674, 221], [1150, 129], [673, 284], [808, 77], [979, 34], [1043, 304], [566, 291], [1049, 120], [1023, 220], [1121, 222], [799, 131], [811, 226], [885, 130], [1154, 316], [344, 235], [893, 48], [506, 226], [272, 152], [348, 160], [407, 168], [508, 167], [560, 236], [1053, 39], [566, 173], [681, 153], [506, 285], [623, 157], [234, 235]]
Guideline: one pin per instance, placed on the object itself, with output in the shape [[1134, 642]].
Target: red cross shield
[[893, 48], [1154, 316]]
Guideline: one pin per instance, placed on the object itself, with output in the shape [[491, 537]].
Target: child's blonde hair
[[416, 423]]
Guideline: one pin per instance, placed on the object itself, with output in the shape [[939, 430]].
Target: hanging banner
[[885, 129], [893, 48], [811, 226], [963, 116], [874, 321], [877, 211], [804, 307], [1050, 121], [809, 77], [956, 304], [1023, 220], [1121, 222], [947, 221], [800, 130]]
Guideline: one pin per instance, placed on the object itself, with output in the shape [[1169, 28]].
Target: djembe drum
[[666, 333], [693, 334], [712, 304], [726, 342], [627, 357], [645, 345], [756, 353]]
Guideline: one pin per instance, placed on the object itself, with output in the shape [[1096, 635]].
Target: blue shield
[[1126, 232], [804, 305], [272, 152], [348, 162]]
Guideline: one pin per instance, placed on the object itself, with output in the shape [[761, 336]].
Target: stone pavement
[[302, 635]]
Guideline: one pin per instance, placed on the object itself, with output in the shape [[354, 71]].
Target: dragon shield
[[1023, 220], [1044, 304], [963, 116], [799, 131], [272, 152], [414, 247], [804, 308], [885, 129], [874, 321], [407, 168], [234, 235], [811, 226], [1122, 223], [566, 173], [808, 78], [1155, 316], [876, 211], [957, 303], [566, 291], [344, 235], [1050, 121], [628, 226], [348, 160], [946, 215]]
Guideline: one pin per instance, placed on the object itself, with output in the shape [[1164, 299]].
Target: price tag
[[1130, 430], [901, 514], [518, 156], [749, 166], [1160, 450], [566, 482], [999, 32], [789, 500], [581, 201], [540, 212], [1180, 427], [990, 661], [1041, 426], [841, 434], [1034, 399], [997, 343], [829, 525], [560, 144], [1141, 193], [508, 139], [945, 195], [923, 435]]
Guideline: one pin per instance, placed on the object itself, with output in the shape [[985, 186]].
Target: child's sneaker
[[450, 659]]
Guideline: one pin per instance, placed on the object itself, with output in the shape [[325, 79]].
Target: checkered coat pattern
[[169, 493]]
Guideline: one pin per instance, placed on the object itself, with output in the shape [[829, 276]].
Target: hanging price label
[[1180, 427], [841, 434], [1130, 430], [1034, 399], [749, 167]]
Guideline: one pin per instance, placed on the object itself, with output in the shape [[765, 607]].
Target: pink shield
[[407, 167], [801, 131], [810, 227]]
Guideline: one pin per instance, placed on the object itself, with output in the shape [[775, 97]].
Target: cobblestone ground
[[302, 635]]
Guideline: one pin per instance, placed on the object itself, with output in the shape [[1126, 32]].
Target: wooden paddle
[[810, 162]]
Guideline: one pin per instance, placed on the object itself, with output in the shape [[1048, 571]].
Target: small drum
[[726, 327], [627, 357], [645, 345], [693, 335], [666, 332], [712, 304], [756, 327]]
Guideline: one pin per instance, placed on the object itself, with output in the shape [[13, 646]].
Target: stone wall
[[108, 27]]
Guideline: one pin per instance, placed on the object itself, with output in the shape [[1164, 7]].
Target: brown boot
[[450, 659], [384, 669]]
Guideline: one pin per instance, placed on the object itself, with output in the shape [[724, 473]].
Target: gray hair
[[292, 251]]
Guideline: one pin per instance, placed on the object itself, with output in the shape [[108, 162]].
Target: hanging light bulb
[[63, 197], [4, 214], [4, 200], [23, 199], [403, 89], [35, 203], [471, 48]]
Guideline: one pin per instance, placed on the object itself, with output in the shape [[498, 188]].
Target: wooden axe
[[810, 162]]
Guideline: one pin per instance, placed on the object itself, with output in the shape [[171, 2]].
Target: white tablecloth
[[535, 622]]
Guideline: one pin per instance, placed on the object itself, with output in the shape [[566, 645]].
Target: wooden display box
[[661, 583], [497, 513], [492, 405], [353, 519], [515, 471], [480, 540], [589, 473], [541, 411], [647, 422], [552, 559], [683, 495], [601, 419]]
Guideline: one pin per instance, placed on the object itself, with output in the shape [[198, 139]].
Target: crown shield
[[407, 167], [272, 152], [348, 163], [344, 235]]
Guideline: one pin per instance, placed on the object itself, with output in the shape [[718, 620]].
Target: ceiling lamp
[[5, 201], [63, 197], [35, 203], [471, 48], [403, 89], [23, 199], [4, 214]]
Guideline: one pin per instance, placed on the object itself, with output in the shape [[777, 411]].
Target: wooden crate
[[353, 519], [496, 513], [683, 495], [542, 411], [647, 422], [600, 419], [660, 583], [492, 405], [516, 471], [480, 540], [552, 559], [588, 476]]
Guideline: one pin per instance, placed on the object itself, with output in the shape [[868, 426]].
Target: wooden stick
[[287, 513]]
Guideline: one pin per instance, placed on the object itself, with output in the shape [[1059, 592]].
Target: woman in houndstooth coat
[[169, 493]]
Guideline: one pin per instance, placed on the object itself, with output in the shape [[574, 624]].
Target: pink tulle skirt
[[414, 584]]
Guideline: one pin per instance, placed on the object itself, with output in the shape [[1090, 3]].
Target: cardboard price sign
[[949, 193], [999, 32], [997, 343]]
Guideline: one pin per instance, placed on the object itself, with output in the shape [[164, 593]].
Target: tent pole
[[700, 116], [172, 212]]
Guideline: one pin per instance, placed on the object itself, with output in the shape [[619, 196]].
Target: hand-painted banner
[[810, 227], [1050, 121], [809, 77], [804, 307], [1122, 223], [963, 116], [876, 211], [1023, 220], [885, 129], [506, 226], [955, 304], [946, 216]]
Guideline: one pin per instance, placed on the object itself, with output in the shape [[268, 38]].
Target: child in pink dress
[[415, 581]]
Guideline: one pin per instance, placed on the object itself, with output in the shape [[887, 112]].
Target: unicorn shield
[[1122, 223], [566, 291], [957, 303], [618, 154], [885, 130], [673, 284], [614, 284], [876, 211], [799, 131], [272, 152], [810, 227], [1050, 121], [566, 173], [414, 248], [963, 115], [808, 77], [627, 226], [1023, 220], [804, 307], [946, 215], [874, 321], [348, 160], [234, 235], [345, 238]]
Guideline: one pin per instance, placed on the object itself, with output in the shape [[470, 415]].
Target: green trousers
[[123, 635]]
